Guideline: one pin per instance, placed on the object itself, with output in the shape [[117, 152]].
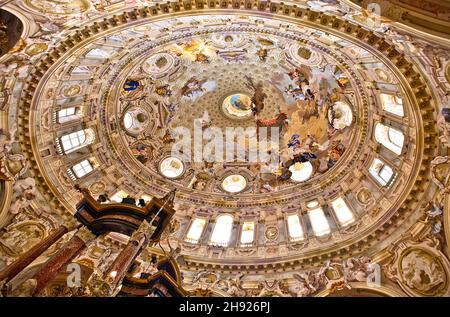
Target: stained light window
[[342, 212], [381, 172], [195, 230], [392, 104], [390, 138], [295, 229], [76, 140], [319, 222], [83, 168], [222, 230], [247, 233]]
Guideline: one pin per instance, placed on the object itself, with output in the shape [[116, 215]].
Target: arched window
[[83, 168], [392, 104], [247, 233], [195, 230], [381, 172], [390, 138], [68, 114], [343, 214], [76, 140], [222, 230], [319, 222], [295, 229]]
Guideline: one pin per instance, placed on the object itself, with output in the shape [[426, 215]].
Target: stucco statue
[[98, 286], [235, 287], [24, 191], [440, 176], [443, 123], [434, 217], [205, 280], [358, 269], [272, 287], [12, 166], [26, 289], [309, 283]]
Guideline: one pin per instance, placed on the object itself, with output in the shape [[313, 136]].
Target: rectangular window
[[392, 104], [382, 172], [295, 228], [247, 233], [195, 230], [82, 168], [73, 140], [319, 222], [342, 212], [222, 231], [67, 114]]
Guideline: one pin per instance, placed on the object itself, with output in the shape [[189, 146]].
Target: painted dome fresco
[[285, 139]]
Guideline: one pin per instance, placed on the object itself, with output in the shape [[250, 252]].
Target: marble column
[[63, 257], [122, 263], [25, 259]]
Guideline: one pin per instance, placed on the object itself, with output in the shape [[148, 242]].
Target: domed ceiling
[[311, 130], [168, 92]]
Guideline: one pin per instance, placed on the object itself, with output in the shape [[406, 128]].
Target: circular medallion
[[171, 167], [71, 91], [234, 183]]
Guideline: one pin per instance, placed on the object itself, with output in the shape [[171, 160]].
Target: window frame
[[301, 225], [230, 232], [322, 213], [80, 138], [202, 233], [335, 212], [385, 109], [61, 119], [378, 177], [241, 231], [83, 168], [389, 143]]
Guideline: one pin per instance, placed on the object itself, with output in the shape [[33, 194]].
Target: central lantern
[[237, 106]]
